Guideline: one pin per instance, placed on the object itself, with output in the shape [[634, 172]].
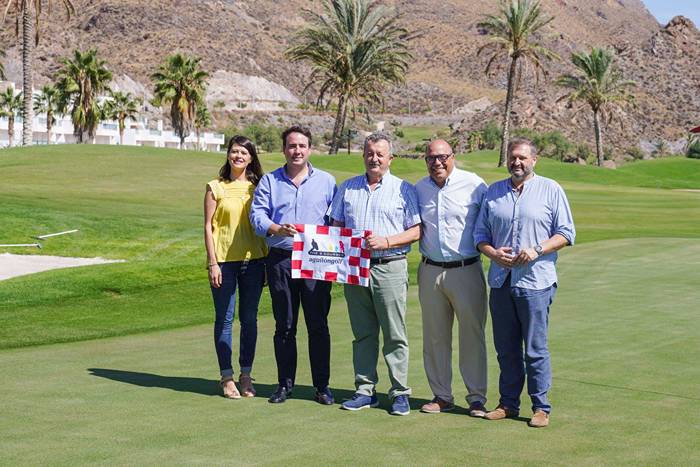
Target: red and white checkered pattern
[[328, 265]]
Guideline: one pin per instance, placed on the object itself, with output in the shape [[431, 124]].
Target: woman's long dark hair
[[254, 170]]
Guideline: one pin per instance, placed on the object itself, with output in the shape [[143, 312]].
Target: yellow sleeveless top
[[234, 237]]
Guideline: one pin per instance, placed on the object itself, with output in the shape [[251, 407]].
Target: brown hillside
[[249, 37]]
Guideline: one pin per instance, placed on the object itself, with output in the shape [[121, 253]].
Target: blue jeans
[[521, 316], [249, 278]]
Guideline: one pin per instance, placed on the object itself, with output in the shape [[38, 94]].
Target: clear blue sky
[[664, 10]]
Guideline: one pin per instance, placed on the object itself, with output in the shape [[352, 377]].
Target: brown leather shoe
[[437, 405], [246, 382], [501, 412], [540, 419]]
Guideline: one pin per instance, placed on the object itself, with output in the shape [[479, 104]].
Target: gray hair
[[379, 136], [515, 142]]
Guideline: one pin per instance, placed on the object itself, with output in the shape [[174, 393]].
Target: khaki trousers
[[444, 294]]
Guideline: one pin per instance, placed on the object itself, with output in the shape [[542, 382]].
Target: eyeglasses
[[437, 157]]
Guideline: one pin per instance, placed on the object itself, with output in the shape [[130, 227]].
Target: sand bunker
[[21, 265]]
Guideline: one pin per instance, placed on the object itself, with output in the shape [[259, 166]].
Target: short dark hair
[[515, 142], [295, 129], [254, 170]]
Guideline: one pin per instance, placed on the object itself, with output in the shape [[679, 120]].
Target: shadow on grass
[[205, 387], [210, 387]]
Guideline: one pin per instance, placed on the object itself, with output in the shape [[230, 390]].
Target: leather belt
[[451, 264], [386, 259]]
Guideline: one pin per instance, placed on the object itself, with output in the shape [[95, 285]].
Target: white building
[[136, 133]]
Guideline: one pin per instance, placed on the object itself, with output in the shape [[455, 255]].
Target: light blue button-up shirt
[[521, 222], [388, 210], [278, 200], [449, 214]]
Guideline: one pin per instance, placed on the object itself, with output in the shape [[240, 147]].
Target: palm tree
[[181, 83], [356, 49], [600, 85], [121, 106], [47, 101], [2, 67], [202, 120], [28, 10], [10, 107], [511, 34], [81, 80]]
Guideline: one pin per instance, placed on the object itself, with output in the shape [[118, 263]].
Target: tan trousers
[[444, 294]]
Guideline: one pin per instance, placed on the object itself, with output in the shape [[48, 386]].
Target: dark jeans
[[521, 317], [315, 298], [249, 279]]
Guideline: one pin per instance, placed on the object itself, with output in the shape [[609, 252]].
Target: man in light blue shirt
[[296, 193], [523, 221], [387, 206], [451, 280]]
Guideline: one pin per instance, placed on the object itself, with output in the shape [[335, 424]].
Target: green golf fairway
[[624, 334]]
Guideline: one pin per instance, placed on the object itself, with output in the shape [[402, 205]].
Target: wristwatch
[[539, 250]]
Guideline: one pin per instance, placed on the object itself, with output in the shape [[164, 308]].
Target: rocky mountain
[[242, 44]]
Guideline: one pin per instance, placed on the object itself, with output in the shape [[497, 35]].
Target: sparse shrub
[[491, 135], [585, 153], [475, 141], [421, 147], [398, 132], [303, 106], [241, 105], [265, 137], [558, 146], [635, 153], [553, 144], [694, 150], [282, 105], [660, 148], [608, 154], [443, 133]]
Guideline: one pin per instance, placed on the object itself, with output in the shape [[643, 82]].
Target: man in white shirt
[[451, 279]]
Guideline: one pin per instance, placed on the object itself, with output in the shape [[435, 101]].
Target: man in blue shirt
[[451, 279], [523, 221], [387, 206], [296, 193]]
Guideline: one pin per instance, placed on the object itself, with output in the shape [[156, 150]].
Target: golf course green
[[114, 364]]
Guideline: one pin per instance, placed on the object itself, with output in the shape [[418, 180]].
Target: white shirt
[[449, 215]]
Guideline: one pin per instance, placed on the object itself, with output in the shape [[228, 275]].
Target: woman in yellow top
[[235, 259]]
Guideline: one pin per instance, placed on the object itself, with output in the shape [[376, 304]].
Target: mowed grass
[[623, 328], [144, 206], [625, 389]]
